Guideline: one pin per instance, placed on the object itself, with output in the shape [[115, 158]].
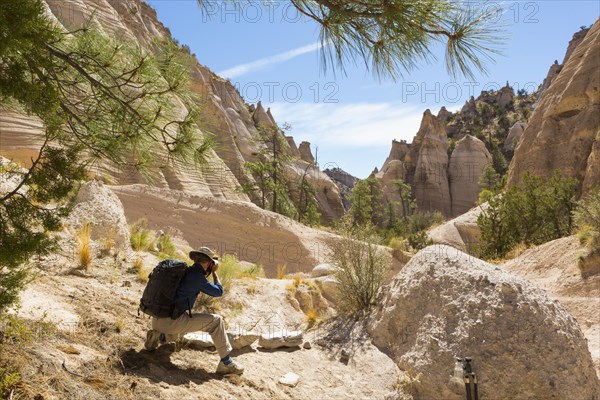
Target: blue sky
[[271, 54]]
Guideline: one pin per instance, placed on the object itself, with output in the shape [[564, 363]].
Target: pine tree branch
[[34, 164]]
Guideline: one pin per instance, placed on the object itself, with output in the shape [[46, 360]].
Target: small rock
[[323, 270], [289, 379], [307, 345], [345, 356], [126, 284]]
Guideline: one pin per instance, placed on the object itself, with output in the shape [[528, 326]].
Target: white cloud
[[243, 69], [355, 125]]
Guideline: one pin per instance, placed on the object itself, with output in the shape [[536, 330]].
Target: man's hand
[[215, 277]]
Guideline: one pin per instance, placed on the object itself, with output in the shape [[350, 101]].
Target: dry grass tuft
[[119, 325], [107, 245], [290, 288], [516, 251], [251, 289], [297, 280], [138, 266], [84, 253], [281, 271], [312, 317]]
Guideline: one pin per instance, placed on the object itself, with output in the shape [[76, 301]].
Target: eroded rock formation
[[467, 162], [224, 113], [429, 152], [563, 130], [306, 153]]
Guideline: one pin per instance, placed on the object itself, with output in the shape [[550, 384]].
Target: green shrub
[[532, 213], [361, 267], [165, 246], [14, 330], [490, 180], [312, 217], [8, 382], [421, 221], [419, 240], [141, 237], [253, 271], [229, 269], [399, 244]]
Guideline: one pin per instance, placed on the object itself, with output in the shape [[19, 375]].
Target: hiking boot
[[232, 368], [152, 339]]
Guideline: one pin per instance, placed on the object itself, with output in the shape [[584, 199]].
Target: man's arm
[[214, 289]]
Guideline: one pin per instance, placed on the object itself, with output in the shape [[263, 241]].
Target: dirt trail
[[553, 267]]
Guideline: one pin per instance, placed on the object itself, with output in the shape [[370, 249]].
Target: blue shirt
[[192, 284]]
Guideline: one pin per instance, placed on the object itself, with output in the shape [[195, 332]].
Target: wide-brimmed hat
[[207, 252]]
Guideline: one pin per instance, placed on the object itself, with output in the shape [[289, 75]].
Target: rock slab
[[275, 340]]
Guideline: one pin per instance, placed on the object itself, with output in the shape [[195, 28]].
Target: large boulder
[[98, 205], [329, 287], [446, 304], [323, 270], [467, 162]]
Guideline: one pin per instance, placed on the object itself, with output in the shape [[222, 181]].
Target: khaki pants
[[211, 323]]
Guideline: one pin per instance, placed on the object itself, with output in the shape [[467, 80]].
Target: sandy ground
[[553, 267], [97, 351]]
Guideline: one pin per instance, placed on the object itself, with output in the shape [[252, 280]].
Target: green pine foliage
[[490, 179], [99, 99], [368, 205], [270, 184], [392, 37], [534, 212], [306, 204]]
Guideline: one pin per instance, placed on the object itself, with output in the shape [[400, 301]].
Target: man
[[184, 321]]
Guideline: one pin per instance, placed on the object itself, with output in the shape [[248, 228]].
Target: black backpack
[[157, 299]]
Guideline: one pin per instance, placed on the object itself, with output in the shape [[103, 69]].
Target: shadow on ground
[[158, 367]]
